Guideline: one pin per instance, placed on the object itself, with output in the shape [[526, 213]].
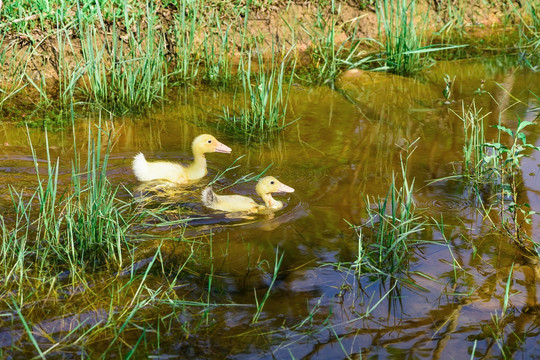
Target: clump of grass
[[121, 77], [454, 16], [385, 241], [54, 231], [529, 33], [401, 41], [187, 25], [75, 244], [87, 225], [217, 61], [329, 58], [264, 98]]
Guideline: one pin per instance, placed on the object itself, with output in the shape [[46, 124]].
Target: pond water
[[345, 146]]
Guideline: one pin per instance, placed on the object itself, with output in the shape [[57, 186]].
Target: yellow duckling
[[164, 170], [231, 203]]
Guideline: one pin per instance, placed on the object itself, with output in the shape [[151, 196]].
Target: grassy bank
[[122, 56]]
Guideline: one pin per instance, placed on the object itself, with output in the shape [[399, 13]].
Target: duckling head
[[268, 185], [206, 143]]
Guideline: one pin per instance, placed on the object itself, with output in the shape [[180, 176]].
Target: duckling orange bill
[[163, 170], [239, 203]]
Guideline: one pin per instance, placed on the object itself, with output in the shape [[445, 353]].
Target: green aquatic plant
[[504, 161], [474, 152], [385, 241], [92, 227], [72, 240], [55, 230], [447, 91], [494, 171]]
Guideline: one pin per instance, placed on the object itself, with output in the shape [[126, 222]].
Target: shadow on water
[[346, 147]]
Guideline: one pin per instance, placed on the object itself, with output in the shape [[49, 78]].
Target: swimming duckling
[[231, 203], [176, 173]]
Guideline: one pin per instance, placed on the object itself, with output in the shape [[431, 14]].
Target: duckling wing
[[233, 203], [168, 171], [159, 170]]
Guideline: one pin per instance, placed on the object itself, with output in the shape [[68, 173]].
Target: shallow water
[[345, 147]]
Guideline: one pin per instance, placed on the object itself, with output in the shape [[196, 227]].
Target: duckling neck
[[270, 202], [197, 169]]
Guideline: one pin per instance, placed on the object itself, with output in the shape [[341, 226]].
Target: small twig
[[28, 18]]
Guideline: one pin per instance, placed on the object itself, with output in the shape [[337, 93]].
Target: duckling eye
[[209, 141], [272, 182]]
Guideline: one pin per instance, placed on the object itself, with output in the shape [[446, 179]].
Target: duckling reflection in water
[[163, 170], [238, 203]]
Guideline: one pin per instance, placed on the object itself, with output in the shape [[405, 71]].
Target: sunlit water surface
[[344, 147]]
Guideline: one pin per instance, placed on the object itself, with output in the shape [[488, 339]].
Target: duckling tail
[[140, 167], [208, 197]]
